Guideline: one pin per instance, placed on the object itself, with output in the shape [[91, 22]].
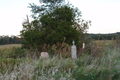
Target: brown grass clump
[[117, 42], [95, 49], [62, 49]]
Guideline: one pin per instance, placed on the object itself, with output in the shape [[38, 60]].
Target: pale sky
[[104, 14]]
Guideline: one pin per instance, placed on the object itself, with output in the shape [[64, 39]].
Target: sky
[[104, 14]]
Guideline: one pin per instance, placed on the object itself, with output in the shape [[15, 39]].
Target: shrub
[[15, 52]]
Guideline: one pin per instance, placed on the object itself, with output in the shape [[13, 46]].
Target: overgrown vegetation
[[94, 63], [53, 32]]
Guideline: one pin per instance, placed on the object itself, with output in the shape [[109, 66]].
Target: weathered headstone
[[44, 54], [74, 51], [83, 45]]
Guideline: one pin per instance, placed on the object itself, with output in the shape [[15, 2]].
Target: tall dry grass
[[96, 62]]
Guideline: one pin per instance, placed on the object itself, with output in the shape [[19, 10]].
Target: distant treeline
[[14, 40], [9, 40], [109, 36]]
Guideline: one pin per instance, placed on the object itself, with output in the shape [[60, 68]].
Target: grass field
[[100, 62], [9, 46]]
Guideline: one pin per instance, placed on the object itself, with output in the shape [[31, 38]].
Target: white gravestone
[[74, 51], [83, 45]]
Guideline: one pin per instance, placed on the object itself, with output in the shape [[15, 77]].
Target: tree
[[47, 6], [54, 29], [58, 24]]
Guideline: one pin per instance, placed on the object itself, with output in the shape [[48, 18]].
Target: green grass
[[86, 67]]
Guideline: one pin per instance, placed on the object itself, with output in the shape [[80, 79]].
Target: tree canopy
[[55, 23]]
